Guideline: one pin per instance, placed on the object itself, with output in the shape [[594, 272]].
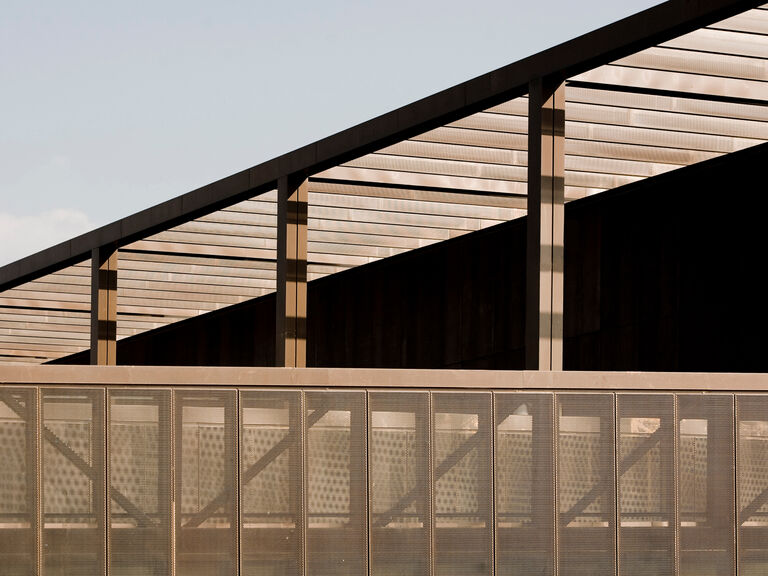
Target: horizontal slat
[[335, 259], [40, 349], [688, 62], [723, 41], [184, 299], [353, 250], [8, 357], [147, 261], [493, 123], [60, 316], [752, 21], [515, 107], [701, 125], [214, 240], [658, 138], [44, 342], [426, 166], [9, 334], [425, 180], [597, 180], [198, 249], [694, 106], [482, 155], [216, 228], [21, 297], [79, 292], [440, 203], [608, 166], [371, 240], [193, 283], [383, 218], [674, 81], [387, 230], [23, 323], [475, 137], [240, 217]]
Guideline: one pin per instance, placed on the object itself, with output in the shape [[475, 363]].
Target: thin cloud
[[21, 236]]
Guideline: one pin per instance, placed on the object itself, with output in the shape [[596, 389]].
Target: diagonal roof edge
[[622, 38]]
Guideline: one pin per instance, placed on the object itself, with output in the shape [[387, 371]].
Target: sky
[[107, 108]]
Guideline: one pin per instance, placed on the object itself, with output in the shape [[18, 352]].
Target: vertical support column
[[103, 305], [291, 319], [545, 238]]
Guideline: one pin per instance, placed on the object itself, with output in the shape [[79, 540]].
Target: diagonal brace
[[451, 460], [751, 509], [632, 458], [140, 516], [254, 470]]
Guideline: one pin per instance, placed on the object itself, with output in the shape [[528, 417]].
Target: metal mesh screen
[[140, 482], [18, 498], [462, 477], [410, 482], [336, 483], [270, 483], [524, 491], [586, 484], [752, 450], [646, 437], [706, 469], [399, 483], [73, 482], [206, 469]]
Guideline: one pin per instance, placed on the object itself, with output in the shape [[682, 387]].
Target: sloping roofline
[[622, 38]]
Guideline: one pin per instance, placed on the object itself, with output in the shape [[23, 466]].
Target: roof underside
[[697, 96]]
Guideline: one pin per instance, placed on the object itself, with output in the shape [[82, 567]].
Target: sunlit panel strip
[[46, 318]]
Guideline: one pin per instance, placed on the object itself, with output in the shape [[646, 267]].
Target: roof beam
[[648, 28]]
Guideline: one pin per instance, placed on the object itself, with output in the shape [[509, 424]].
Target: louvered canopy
[[421, 175]]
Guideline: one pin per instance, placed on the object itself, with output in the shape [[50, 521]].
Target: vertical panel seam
[[237, 500], [492, 519], [39, 498], [736, 524], [555, 442], [366, 487], [431, 481], [616, 488], [676, 482], [301, 445], [172, 467], [107, 479]]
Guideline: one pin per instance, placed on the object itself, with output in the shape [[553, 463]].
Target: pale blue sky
[[107, 108]]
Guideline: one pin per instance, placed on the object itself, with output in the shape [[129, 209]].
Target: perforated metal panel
[[462, 477], [399, 483], [523, 489], [752, 477], [18, 478], [333, 480], [706, 478], [336, 487], [206, 475], [73, 481], [271, 479], [646, 438], [140, 482], [586, 484]]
